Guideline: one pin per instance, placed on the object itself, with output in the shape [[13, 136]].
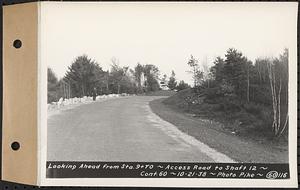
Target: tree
[[236, 72], [196, 72], [217, 69], [172, 81], [182, 85], [83, 76], [104, 83], [164, 79], [52, 86], [278, 78], [138, 74], [118, 76], [123, 79], [207, 76], [261, 70], [151, 77]]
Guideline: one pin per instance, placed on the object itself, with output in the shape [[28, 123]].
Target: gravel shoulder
[[239, 149]]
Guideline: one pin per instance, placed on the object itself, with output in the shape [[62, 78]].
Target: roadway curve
[[122, 129]]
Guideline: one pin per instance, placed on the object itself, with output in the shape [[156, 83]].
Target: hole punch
[[17, 44], [15, 146]]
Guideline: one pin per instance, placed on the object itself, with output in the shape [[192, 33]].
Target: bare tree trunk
[[279, 107], [277, 127], [285, 125], [271, 77], [276, 102]]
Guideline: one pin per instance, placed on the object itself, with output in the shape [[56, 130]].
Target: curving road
[[122, 129]]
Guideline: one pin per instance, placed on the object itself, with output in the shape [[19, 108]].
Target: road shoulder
[[239, 149]]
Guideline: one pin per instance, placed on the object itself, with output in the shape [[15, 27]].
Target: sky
[[163, 34]]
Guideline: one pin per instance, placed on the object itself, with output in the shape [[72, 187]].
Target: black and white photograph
[[168, 83]]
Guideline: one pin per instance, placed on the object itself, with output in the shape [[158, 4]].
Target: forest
[[84, 76], [233, 87], [252, 96]]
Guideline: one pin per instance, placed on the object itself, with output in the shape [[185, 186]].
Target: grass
[[249, 121], [214, 134]]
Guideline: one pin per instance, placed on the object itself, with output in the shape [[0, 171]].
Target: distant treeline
[[260, 87], [84, 77], [234, 82]]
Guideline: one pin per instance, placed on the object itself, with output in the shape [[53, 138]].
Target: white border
[[39, 101], [43, 102], [170, 182]]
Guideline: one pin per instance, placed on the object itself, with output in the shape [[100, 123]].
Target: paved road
[[122, 129]]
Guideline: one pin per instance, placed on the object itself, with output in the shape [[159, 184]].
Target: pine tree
[[83, 75], [218, 69], [235, 71], [52, 86], [172, 81], [138, 72], [182, 85]]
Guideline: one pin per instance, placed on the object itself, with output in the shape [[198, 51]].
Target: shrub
[[212, 93], [252, 108], [227, 89], [245, 118], [182, 85], [266, 115], [261, 94], [229, 105]]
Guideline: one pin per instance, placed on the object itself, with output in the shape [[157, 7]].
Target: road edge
[[247, 151]]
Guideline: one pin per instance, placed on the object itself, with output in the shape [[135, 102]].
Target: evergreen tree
[[236, 71], [218, 69], [52, 86], [182, 85], [138, 72], [83, 76], [172, 81]]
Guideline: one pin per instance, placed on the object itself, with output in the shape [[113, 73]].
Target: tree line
[[255, 86], [85, 76], [260, 87]]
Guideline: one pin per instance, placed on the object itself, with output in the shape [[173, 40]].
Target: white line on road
[[176, 134]]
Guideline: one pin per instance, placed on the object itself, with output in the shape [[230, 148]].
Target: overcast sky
[[163, 34]]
